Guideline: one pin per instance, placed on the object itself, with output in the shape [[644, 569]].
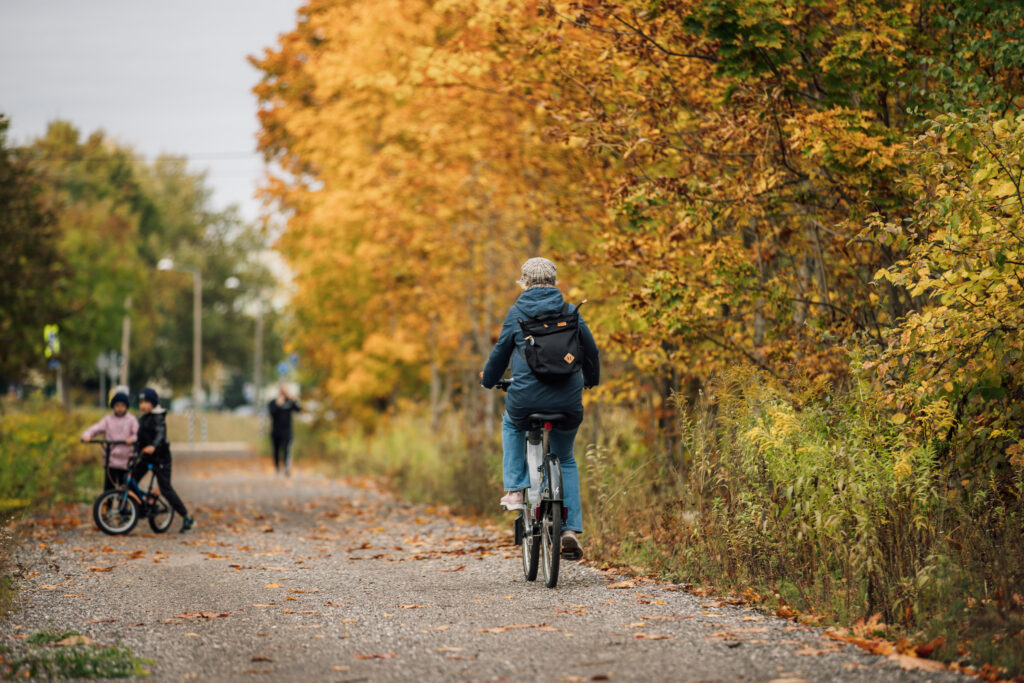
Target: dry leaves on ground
[[502, 629], [76, 640]]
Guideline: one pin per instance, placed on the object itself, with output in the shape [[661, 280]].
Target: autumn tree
[[30, 257]]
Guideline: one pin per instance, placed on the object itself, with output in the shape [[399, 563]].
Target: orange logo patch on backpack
[[569, 358]]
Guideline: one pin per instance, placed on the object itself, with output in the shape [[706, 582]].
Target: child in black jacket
[[156, 451]]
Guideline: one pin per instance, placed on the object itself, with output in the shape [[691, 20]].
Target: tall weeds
[[817, 500]]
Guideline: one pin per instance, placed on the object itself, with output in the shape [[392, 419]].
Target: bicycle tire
[[551, 542], [113, 514], [160, 515], [531, 554]]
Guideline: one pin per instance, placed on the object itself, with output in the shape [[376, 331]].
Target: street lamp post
[[257, 363], [197, 331]]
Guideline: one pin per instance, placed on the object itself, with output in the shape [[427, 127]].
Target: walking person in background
[[120, 425], [155, 449], [281, 409]]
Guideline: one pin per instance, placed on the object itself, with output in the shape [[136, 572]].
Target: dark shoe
[[187, 523], [572, 550]]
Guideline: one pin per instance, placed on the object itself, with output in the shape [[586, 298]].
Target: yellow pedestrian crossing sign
[[52, 341]]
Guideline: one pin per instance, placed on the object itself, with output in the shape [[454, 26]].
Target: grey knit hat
[[538, 271]]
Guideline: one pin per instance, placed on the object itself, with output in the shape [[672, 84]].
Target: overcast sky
[[162, 77]]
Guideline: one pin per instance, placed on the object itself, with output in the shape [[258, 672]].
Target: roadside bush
[[41, 460], [446, 468], [822, 503]]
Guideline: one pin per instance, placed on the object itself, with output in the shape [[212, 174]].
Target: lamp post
[[197, 330], [257, 363]]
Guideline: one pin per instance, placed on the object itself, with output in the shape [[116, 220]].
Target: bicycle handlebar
[[103, 442]]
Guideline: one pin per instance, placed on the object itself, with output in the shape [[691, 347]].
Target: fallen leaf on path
[[437, 628], [502, 629], [457, 569], [912, 663], [389, 655], [76, 640], [201, 615], [192, 635], [622, 584], [652, 636], [100, 621], [339, 668], [636, 624], [102, 569], [450, 649], [927, 649], [273, 585], [809, 652], [261, 658], [263, 604], [413, 606], [48, 587]]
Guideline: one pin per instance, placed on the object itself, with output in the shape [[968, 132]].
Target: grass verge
[[68, 654]]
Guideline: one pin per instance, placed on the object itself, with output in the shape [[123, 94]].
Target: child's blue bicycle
[[118, 510]]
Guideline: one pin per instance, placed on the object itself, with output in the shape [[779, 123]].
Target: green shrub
[[819, 500], [439, 467], [41, 460]]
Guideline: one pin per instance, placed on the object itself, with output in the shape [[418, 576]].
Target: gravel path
[[315, 579]]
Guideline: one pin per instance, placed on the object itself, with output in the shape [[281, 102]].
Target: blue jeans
[[516, 475]]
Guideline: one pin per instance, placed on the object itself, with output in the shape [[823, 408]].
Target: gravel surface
[[314, 579]]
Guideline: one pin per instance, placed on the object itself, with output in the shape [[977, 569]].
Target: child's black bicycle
[[538, 528], [118, 510]]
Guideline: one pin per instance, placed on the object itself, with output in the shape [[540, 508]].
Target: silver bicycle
[[538, 527]]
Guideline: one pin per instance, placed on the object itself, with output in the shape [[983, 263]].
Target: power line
[[147, 156]]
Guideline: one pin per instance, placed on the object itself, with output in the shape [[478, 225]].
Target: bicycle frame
[[134, 490], [545, 476]]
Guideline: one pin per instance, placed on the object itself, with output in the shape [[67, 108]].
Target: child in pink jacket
[[118, 426]]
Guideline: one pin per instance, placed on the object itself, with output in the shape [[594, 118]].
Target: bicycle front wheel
[[551, 542], [115, 513], [161, 515]]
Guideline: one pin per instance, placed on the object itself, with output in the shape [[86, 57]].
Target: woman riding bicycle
[[527, 395]]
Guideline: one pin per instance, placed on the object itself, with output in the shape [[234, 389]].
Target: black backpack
[[553, 348]]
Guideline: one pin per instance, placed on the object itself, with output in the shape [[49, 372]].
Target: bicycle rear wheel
[[531, 553], [551, 542], [115, 513], [160, 515]]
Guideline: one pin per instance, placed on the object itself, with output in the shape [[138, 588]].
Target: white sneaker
[[512, 500], [572, 550]]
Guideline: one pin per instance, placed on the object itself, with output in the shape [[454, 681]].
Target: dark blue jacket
[[527, 393]]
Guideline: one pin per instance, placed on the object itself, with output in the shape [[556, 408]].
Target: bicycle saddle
[[553, 418]]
